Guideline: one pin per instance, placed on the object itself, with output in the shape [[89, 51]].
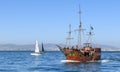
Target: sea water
[[23, 61]]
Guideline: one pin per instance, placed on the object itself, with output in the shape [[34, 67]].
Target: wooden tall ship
[[82, 52]]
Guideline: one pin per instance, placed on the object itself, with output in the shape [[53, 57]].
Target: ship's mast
[[69, 38], [80, 30], [90, 35]]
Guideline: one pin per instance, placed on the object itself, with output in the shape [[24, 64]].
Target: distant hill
[[47, 47], [14, 47], [109, 48], [28, 47]]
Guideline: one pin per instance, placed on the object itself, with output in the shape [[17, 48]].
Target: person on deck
[[86, 51]]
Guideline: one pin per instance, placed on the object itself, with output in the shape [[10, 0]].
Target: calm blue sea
[[55, 62]]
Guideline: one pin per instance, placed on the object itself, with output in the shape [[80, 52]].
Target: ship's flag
[[91, 28]]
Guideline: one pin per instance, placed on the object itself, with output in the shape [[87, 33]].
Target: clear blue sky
[[24, 21]]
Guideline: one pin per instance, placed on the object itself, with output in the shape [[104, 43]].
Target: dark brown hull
[[82, 58], [78, 56]]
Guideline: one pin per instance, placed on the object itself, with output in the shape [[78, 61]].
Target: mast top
[[80, 16], [70, 29]]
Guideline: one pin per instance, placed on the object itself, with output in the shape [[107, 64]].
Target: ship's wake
[[103, 61], [65, 61]]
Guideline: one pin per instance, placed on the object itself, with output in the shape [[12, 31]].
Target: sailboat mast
[[80, 30], [91, 34], [69, 36]]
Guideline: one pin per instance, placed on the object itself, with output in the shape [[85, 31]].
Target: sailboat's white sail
[[36, 47], [37, 51]]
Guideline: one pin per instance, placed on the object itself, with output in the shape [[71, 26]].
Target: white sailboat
[[37, 51]]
